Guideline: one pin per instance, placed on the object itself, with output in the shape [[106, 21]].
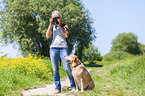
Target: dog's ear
[[76, 59]]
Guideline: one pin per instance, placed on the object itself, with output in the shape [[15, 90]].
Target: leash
[[69, 89], [59, 62]]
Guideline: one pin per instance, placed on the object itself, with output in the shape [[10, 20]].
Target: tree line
[[26, 22], [123, 46]]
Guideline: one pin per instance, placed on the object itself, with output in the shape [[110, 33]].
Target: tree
[[91, 54], [26, 22], [126, 42], [142, 47]]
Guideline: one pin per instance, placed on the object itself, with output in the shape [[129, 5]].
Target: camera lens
[[55, 20]]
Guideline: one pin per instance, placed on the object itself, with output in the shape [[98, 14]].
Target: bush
[[142, 47], [116, 55], [91, 54], [28, 66], [126, 42]]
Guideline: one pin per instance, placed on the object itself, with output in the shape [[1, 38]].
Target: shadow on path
[[93, 64]]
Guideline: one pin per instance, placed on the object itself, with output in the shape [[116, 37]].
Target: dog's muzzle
[[68, 61]]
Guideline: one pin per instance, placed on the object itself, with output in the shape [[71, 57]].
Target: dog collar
[[77, 65]]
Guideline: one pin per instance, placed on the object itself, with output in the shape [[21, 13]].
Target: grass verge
[[24, 73], [118, 78]]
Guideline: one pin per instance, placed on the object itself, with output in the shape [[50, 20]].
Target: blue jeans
[[54, 55]]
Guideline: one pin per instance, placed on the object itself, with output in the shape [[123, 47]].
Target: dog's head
[[72, 59]]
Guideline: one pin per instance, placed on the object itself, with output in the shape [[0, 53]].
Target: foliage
[[91, 54], [25, 73], [27, 65], [116, 55], [142, 47], [26, 22], [126, 42]]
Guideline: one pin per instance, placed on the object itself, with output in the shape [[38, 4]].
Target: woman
[[59, 48]]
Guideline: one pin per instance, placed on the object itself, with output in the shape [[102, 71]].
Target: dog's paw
[[82, 90], [76, 90]]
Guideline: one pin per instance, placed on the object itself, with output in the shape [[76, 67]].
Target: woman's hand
[[59, 22], [49, 32], [51, 21], [64, 31]]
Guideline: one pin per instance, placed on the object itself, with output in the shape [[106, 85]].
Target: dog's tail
[[87, 86]]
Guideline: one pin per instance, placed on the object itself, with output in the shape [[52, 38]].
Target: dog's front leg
[[77, 88], [82, 85]]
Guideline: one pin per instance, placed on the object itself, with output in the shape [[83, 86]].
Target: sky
[[111, 18]]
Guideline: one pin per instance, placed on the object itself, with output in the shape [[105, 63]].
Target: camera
[[55, 20]]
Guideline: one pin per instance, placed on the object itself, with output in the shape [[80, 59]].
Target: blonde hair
[[56, 14]]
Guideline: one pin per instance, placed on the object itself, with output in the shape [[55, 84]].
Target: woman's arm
[[64, 31], [49, 31]]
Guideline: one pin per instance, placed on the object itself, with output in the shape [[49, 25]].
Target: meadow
[[118, 78], [24, 73], [115, 78]]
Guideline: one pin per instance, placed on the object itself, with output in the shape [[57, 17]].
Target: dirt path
[[48, 90]]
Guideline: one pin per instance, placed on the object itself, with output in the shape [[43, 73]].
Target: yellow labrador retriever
[[81, 76]]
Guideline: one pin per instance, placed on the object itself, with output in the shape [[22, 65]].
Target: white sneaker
[[57, 92], [73, 90]]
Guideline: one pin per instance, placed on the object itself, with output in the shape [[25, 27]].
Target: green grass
[[12, 82], [118, 78]]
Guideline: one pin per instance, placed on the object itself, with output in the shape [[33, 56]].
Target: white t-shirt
[[59, 40]]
